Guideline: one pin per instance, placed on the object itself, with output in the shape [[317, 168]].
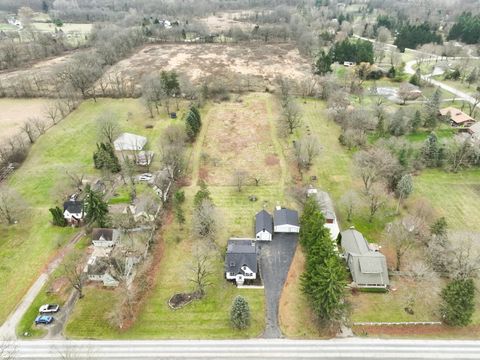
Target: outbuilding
[[263, 226], [130, 142], [285, 221]]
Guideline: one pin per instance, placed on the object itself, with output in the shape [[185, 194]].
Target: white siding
[[287, 229], [264, 235]]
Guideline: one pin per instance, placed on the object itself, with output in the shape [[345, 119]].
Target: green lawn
[[455, 196], [66, 28], [26, 247]]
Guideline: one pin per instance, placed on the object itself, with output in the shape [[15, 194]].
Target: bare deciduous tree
[[205, 220], [351, 202], [108, 127], [374, 165], [291, 116], [73, 271], [172, 153], [12, 206], [239, 178], [306, 150], [29, 130], [200, 271], [402, 240], [376, 199]]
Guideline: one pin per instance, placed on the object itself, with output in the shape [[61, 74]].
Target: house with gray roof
[[102, 237], [241, 260], [73, 211], [367, 266], [263, 226], [285, 221]]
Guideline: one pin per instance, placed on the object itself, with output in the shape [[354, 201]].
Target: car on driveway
[[49, 308], [43, 319], [146, 177]]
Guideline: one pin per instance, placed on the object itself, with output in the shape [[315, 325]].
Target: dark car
[[43, 319]]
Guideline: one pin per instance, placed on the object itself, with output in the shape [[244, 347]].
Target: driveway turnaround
[[275, 259]]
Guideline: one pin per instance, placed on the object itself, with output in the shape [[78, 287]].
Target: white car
[[49, 308], [145, 177]]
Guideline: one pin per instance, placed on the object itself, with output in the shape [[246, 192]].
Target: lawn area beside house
[[25, 248]]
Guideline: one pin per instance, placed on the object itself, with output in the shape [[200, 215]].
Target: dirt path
[[197, 148], [278, 146], [8, 329]]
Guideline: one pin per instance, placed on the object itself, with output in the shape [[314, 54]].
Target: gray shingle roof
[[368, 267], [326, 205], [240, 253], [263, 221], [73, 207], [285, 217]]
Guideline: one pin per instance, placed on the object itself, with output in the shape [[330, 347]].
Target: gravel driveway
[[275, 259]]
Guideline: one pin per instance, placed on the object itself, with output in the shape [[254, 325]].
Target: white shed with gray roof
[[367, 266], [285, 221], [263, 226]]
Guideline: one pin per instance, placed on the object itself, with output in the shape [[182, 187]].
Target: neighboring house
[[326, 206], [98, 269], [474, 130], [73, 211], [367, 266], [105, 237], [285, 221], [130, 142], [144, 158], [263, 226], [457, 117], [241, 260]]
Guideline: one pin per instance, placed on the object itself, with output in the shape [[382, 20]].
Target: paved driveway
[[275, 259]]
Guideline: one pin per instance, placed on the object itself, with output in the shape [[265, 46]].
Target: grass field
[[455, 196], [66, 28], [26, 247]]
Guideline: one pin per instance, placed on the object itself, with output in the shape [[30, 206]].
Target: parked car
[[145, 177], [48, 308], [43, 319]]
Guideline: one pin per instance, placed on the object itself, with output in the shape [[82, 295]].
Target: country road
[[353, 348], [8, 329]]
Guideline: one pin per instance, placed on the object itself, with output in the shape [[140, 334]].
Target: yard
[[209, 317], [26, 247]]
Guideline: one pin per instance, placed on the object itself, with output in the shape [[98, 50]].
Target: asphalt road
[[249, 349], [275, 259]]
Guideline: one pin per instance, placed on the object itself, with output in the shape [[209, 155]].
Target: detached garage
[[285, 221], [263, 226]]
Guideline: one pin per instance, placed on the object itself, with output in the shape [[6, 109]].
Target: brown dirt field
[[239, 137], [260, 62], [226, 20], [16, 111]]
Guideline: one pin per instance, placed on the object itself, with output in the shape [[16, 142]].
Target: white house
[[326, 206], [73, 211], [130, 142], [241, 260], [263, 226], [105, 237], [285, 221]]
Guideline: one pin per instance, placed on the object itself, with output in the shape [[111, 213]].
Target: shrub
[[240, 313]]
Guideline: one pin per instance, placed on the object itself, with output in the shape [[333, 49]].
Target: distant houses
[[241, 260], [367, 265], [263, 226], [457, 118], [105, 237], [285, 221]]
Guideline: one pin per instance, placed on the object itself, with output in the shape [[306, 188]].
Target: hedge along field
[[25, 248]]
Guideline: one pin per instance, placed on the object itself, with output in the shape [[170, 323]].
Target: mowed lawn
[[455, 196], [25, 248]]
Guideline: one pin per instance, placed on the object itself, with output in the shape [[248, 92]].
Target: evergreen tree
[[417, 121], [410, 36], [431, 151], [458, 302], [466, 29], [312, 224], [202, 194], [240, 313], [193, 123], [404, 188], [439, 227], [325, 287], [323, 64], [96, 208], [57, 217], [432, 109], [178, 200], [105, 158]]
